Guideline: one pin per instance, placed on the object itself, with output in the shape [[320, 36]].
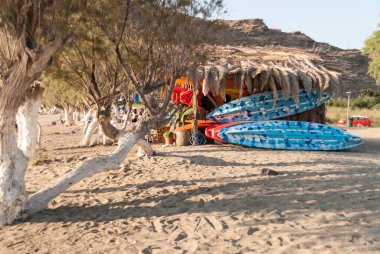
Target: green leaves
[[372, 49], [159, 40]]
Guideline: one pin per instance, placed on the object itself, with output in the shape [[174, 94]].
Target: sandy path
[[208, 199]]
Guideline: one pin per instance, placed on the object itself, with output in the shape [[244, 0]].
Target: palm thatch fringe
[[261, 69]]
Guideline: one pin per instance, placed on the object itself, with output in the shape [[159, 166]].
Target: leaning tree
[[32, 32], [154, 41]]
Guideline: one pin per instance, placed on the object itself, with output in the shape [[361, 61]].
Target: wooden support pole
[[195, 107]]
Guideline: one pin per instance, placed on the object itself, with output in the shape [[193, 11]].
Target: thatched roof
[[266, 68]]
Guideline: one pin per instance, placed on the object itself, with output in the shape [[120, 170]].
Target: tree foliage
[[149, 42], [372, 49], [60, 93], [158, 41], [31, 32], [367, 99]]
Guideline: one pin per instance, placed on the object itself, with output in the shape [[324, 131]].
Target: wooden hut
[[241, 71]]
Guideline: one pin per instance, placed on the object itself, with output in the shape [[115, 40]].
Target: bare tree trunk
[[86, 119], [39, 135], [77, 116], [27, 122], [42, 198], [68, 111], [126, 120], [13, 164], [89, 131], [115, 114], [107, 128]]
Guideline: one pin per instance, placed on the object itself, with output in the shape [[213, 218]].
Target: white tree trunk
[[39, 136], [68, 111], [13, 164], [77, 117], [42, 198], [115, 116], [89, 131], [86, 121], [127, 118], [53, 110], [27, 122]]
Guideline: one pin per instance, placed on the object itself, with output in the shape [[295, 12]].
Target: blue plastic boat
[[262, 106], [288, 135]]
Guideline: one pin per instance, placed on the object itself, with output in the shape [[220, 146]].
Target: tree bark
[[107, 128], [39, 135], [127, 118], [77, 116], [27, 122], [68, 111], [115, 113], [86, 119], [42, 198], [13, 162], [89, 131]]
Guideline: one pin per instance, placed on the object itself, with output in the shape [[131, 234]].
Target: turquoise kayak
[[263, 106], [288, 135]]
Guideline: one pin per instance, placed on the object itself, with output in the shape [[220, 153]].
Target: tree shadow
[[281, 193]]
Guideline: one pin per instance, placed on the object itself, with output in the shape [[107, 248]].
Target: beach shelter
[[237, 71]]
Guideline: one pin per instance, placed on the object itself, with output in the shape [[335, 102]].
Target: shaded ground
[[208, 199]]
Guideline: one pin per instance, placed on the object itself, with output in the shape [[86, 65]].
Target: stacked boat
[[250, 122]]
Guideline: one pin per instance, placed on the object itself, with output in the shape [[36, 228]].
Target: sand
[[205, 199]]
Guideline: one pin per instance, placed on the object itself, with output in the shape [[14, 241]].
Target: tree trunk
[[86, 119], [106, 127], [89, 131], [39, 135], [68, 111], [127, 118], [27, 122], [42, 198], [115, 114], [13, 164], [77, 116]]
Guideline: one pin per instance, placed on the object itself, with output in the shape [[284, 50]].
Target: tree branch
[[40, 200]]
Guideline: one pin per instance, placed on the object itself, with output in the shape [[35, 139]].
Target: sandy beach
[[205, 199]]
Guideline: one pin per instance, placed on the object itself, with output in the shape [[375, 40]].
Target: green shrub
[[377, 106], [339, 103], [366, 101]]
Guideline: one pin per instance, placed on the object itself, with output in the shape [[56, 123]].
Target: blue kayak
[[263, 106], [288, 135]]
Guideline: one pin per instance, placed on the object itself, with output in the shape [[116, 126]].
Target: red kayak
[[177, 94], [213, 131], [186, 97]]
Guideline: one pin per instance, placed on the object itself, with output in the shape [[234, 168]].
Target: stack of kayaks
[[249, 122], [288, 135]]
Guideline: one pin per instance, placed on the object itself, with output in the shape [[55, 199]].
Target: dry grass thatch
[[259, 69]]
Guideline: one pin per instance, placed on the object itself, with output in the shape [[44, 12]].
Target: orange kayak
[[202, 124]]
